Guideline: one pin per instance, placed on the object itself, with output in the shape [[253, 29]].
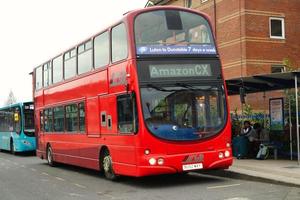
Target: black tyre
[[12, 147], [107, 166], [49, 155]]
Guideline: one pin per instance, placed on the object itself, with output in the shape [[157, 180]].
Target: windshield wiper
[[185, 85], [191, 87], [158, 88]]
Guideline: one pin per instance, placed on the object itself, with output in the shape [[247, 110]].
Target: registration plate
[[192, 166]]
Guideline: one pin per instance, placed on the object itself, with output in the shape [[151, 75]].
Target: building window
[[149, 4], [277, 68], [188, 3], [277, 28]]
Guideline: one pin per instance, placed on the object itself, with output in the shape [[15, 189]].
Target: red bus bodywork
[[98, 90]]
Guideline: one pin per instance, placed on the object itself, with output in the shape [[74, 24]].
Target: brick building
[[253, 36]]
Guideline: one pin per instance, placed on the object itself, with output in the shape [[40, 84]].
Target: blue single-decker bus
[[17, 128]]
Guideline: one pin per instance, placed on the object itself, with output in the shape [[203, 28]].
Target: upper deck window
[[47, 74], [173, 32], [101, 50], [70, 64], [119, 49], [85, 57], [57, 69], [39, 78]]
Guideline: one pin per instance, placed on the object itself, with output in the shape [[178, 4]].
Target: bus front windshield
[[184, 112], [173, 32], [28, 110], [29, 121]]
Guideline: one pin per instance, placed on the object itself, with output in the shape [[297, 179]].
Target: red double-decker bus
[[145, 96]]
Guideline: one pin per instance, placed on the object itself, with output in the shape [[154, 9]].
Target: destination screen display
[[176, 49], [179, 70], [173, 32]]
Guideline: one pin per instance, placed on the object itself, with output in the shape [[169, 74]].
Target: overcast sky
[[33, 31]]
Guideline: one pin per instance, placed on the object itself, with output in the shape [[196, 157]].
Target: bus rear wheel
[[107, 166], [49, 155], [12, 147]]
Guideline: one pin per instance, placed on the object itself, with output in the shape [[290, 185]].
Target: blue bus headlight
[[26, 143]]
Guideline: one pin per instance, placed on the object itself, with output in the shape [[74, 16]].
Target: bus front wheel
[[107, 166], [50, 156]]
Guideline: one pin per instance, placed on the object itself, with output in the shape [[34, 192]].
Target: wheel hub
[[106, 163], [49, 156]]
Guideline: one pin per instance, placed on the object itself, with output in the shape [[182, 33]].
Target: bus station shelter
[[269, 82]]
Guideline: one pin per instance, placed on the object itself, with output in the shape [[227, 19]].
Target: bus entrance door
[[93, 129]]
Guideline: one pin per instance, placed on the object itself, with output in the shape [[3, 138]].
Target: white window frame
[[149, 4], [188, 3], [282, 67], [282, 28]]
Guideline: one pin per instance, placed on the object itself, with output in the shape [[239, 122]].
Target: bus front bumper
[[27, 144], [170, 164]]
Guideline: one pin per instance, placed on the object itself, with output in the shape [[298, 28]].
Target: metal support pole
[[297, 117], [290, 125], [264, 96]]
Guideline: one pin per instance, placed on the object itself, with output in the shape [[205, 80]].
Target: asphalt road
[[26, 177]]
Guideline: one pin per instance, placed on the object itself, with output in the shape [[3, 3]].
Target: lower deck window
[[58, 117], [68, 118], [127, 122], [72, 118]]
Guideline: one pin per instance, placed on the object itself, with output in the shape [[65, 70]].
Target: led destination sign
[[176, 49], [179, 70]]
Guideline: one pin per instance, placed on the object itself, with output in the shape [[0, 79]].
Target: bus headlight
[[227, 154], [221, 155], [147, 152], [152, 161], [160, 161], [26, 142], [228, 145]]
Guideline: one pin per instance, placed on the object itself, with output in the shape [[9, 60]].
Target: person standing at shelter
[[249, 132], [262, 133]]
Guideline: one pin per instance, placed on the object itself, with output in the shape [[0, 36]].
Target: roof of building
[[156, 2], [262, 83]]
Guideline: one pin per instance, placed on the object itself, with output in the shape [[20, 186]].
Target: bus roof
[[128, 16], [15, 105]]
